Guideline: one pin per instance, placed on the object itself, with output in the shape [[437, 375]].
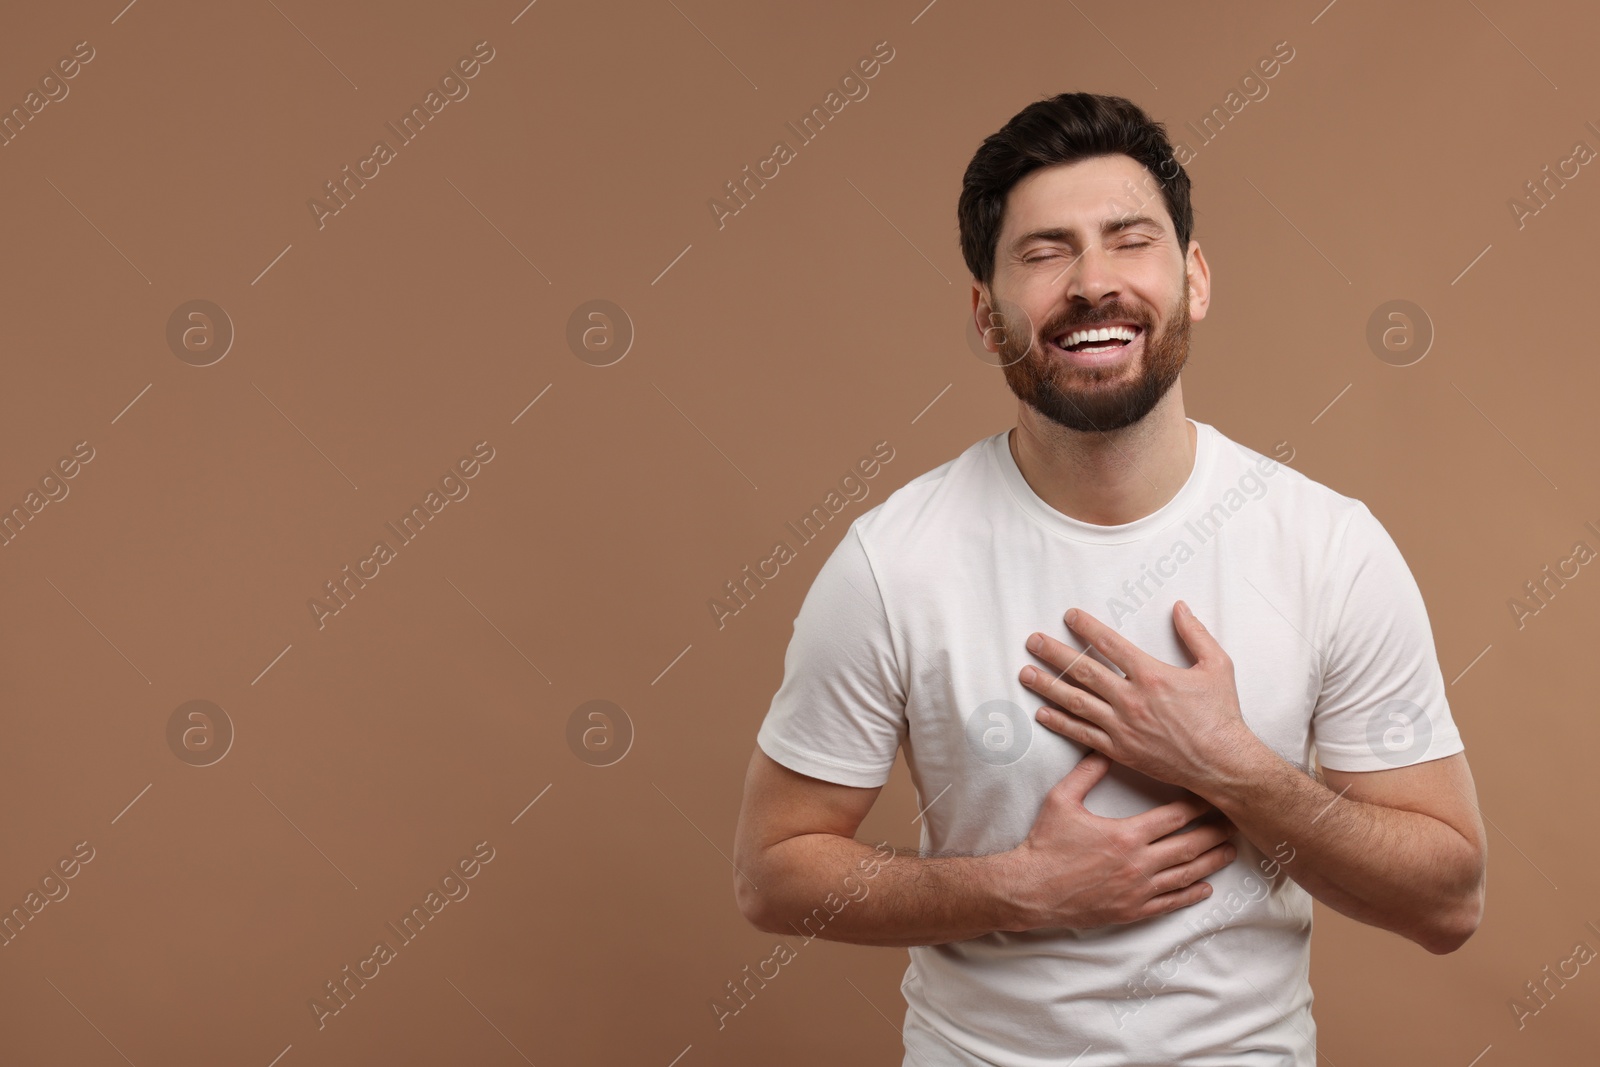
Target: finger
[[1069, 698], [1162, 903], [1204, 865], [1127, 656], [1171, 817], [1074, 728], [1179, 849], [1084, 776], [1196, 638], [1071, 663]]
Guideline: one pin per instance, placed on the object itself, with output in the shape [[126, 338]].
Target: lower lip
[[1100, 359]]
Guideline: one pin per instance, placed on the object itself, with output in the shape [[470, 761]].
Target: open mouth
[[1098, 340]]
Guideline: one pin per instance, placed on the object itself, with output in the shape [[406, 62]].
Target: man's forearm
[[1399, 870], [824, 885]]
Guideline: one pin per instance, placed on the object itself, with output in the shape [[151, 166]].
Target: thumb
[[1085, 775]]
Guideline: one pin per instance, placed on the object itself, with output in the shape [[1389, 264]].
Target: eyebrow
[[1067, 233]]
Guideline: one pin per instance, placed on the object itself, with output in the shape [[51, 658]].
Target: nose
[[1090, 276]]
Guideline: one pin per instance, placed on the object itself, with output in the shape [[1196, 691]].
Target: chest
[[972, 741]]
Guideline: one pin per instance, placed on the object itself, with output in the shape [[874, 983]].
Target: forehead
[[1082, 195]]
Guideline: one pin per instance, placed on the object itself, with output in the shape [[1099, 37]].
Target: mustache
[[1067, 323]]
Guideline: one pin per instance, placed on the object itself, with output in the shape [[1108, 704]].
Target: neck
[[1107, 478]]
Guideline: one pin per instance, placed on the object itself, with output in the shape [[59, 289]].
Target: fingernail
[[1035, 643], [1072, 616], [1028, 674]]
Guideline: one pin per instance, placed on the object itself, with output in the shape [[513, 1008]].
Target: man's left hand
[[1178, 725]]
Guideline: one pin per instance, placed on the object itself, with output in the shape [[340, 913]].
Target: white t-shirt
[[912, 635]]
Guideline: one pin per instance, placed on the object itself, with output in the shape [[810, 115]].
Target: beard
[[1094, 399]]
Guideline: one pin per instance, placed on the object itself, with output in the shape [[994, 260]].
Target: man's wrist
[[1005, 881], [1242, 764]]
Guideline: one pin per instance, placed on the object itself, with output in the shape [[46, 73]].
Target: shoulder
[[1311, 510], [933, 502]]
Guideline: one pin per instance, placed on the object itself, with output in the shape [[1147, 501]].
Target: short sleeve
[[1382, 700], [840, 713]]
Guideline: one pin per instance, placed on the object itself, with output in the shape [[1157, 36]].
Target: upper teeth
[[1105, 333]]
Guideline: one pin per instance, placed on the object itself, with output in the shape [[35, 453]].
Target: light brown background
[[429, 313]]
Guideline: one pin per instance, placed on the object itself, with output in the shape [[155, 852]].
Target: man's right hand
[[1080, 870]]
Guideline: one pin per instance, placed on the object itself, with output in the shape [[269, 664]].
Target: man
[[1155, 690]]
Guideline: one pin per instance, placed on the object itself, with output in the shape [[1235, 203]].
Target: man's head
[[1076, 215]]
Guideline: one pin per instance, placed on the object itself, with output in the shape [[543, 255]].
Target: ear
[[1198, 273]]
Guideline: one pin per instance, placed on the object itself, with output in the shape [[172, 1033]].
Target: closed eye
[[1051, 255]]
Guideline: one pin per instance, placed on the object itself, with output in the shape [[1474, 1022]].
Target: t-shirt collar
[[1033, 505]]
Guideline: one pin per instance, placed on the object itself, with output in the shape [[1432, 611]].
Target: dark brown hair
[[1062, 129]]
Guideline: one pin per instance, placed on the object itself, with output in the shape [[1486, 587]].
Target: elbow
[[753, 904], [1455, 926], [1444, 941]]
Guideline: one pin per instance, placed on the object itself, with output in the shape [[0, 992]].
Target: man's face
[[1084, 245]]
